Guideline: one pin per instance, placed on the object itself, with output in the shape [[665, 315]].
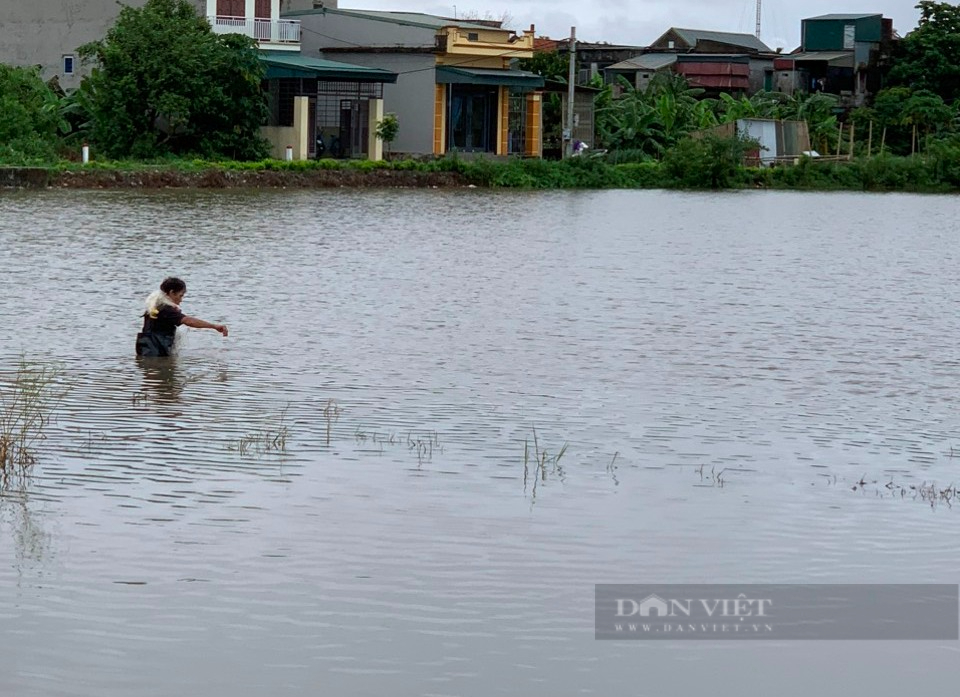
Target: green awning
[[447, 74], [280, 64]]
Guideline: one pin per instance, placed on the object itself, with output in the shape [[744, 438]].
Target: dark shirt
[[158, 333], [166, 321]]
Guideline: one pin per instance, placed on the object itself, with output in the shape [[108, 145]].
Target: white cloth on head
[[156, 300]]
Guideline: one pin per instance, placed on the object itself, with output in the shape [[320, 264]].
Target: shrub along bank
[[931, 174], [693, 164]]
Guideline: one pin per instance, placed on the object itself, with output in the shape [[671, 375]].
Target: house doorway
[[354, 127], [342, 118], [472, 118]]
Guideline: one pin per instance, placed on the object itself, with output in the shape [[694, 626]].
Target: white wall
[[40, 32], [412, 97]]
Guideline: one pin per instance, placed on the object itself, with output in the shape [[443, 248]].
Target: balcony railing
[[265, 31]]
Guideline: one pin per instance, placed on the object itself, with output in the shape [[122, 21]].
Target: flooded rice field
[[441, 417]]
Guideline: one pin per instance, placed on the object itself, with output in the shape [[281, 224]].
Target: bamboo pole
[[839, 140], [913, 141], [850, 154], [883, 139], [870, 140]]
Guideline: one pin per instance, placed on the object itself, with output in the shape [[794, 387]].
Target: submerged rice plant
[[27, 403], [331, 413], [270, 439], [542, 458]]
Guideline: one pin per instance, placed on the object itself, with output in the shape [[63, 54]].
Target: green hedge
[[703, 166]]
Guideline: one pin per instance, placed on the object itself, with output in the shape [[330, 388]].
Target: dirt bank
[[221, 179]]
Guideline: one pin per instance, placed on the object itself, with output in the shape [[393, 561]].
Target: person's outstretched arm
[[203, 324]]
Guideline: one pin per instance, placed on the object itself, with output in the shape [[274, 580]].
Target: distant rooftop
[[647, 61], [412, 19], [600, 45], [850, 16], [692, 36]]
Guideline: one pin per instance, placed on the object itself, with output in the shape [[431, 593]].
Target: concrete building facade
[[47, 33], [456, 90]]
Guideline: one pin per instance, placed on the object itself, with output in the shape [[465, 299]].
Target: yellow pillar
[[374, 144], [440, 121], [504, 121], [301, 112], [533, 142]]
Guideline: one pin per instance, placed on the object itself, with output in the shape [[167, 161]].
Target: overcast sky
[[640, 22]]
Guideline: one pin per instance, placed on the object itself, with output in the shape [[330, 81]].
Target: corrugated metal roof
[[413, 19], [647, 61], [719, 81], [692, 36], [835, 57], [713, 58], [738, 69], [487, 76], [847, 16], [282, 64]]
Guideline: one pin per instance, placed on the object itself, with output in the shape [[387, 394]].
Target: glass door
[[471, 120]]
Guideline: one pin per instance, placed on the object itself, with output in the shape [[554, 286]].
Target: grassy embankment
[[932, 173]]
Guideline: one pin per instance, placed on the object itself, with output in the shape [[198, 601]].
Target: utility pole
[[759, 4], [571, 83]]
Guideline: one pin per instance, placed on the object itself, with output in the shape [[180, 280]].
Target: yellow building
[[457, 87]]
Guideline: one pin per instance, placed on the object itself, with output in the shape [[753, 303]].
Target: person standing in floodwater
[[163, 316]]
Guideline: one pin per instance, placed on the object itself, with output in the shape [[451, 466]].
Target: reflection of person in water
[[163, 377], [163, 316]]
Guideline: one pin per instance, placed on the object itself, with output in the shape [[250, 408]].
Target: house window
[[646, 76], [231, 8], [670, 44], [473, 36], [849, 36], [68, 64]]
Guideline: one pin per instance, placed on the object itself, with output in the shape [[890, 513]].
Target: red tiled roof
[[722, 75], [543, 43]]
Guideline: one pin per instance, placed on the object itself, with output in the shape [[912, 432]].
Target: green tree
[[29, 116], [710, 162], [649, 121], [929, 56], [387, 129], [898, 110], [928, 112], [551, 65], [164, 83], [758, 106]]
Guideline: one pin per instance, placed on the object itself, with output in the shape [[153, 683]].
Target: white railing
[[281, 31]]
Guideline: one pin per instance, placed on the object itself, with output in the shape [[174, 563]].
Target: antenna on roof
[[759, 3]]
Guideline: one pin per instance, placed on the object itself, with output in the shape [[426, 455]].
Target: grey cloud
[[632, 22]]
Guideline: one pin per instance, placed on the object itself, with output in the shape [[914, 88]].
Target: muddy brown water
[[737, 377]]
